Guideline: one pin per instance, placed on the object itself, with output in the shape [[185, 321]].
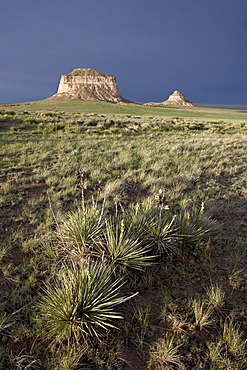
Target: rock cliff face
[[89, 84], [177, 98]]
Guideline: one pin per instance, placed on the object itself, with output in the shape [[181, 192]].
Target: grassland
[[146, 187], [216, 114]]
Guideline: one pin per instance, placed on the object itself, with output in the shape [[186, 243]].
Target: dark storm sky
[[153, 47]]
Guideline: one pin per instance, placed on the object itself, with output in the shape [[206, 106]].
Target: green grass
[[196, 159], [217, 114]]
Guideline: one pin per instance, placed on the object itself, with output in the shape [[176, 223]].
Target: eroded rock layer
[[89, 84]]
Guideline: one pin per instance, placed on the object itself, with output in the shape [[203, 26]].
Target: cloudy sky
[[153, 47]]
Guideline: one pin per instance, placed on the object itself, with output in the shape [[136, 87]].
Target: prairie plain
[[147, 206]]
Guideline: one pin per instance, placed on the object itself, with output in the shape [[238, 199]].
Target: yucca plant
[[80, 230], [139, 215], [80, 302], [154, 225], [122, 249], [160, 235], [194, 225]]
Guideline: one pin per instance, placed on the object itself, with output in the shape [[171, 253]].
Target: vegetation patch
[[123, 237]]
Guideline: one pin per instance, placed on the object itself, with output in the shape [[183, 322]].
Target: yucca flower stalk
[[80, 302]]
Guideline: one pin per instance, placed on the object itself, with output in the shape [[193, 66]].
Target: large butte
[[89, 84]]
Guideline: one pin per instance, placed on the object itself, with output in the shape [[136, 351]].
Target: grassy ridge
[[234, 115], [191, 309]]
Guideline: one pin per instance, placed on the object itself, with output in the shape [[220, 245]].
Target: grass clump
[[202, 313], [233, 337], [216, 296], [165, 355]]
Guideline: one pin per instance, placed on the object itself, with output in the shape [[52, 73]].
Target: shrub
[[9, 112]]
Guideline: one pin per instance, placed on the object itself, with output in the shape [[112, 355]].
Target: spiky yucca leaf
[[80, 229], [154, 225], [159, 232], [194, 225], [81, 301], [139, 215], [124, 250], [160, 235]]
